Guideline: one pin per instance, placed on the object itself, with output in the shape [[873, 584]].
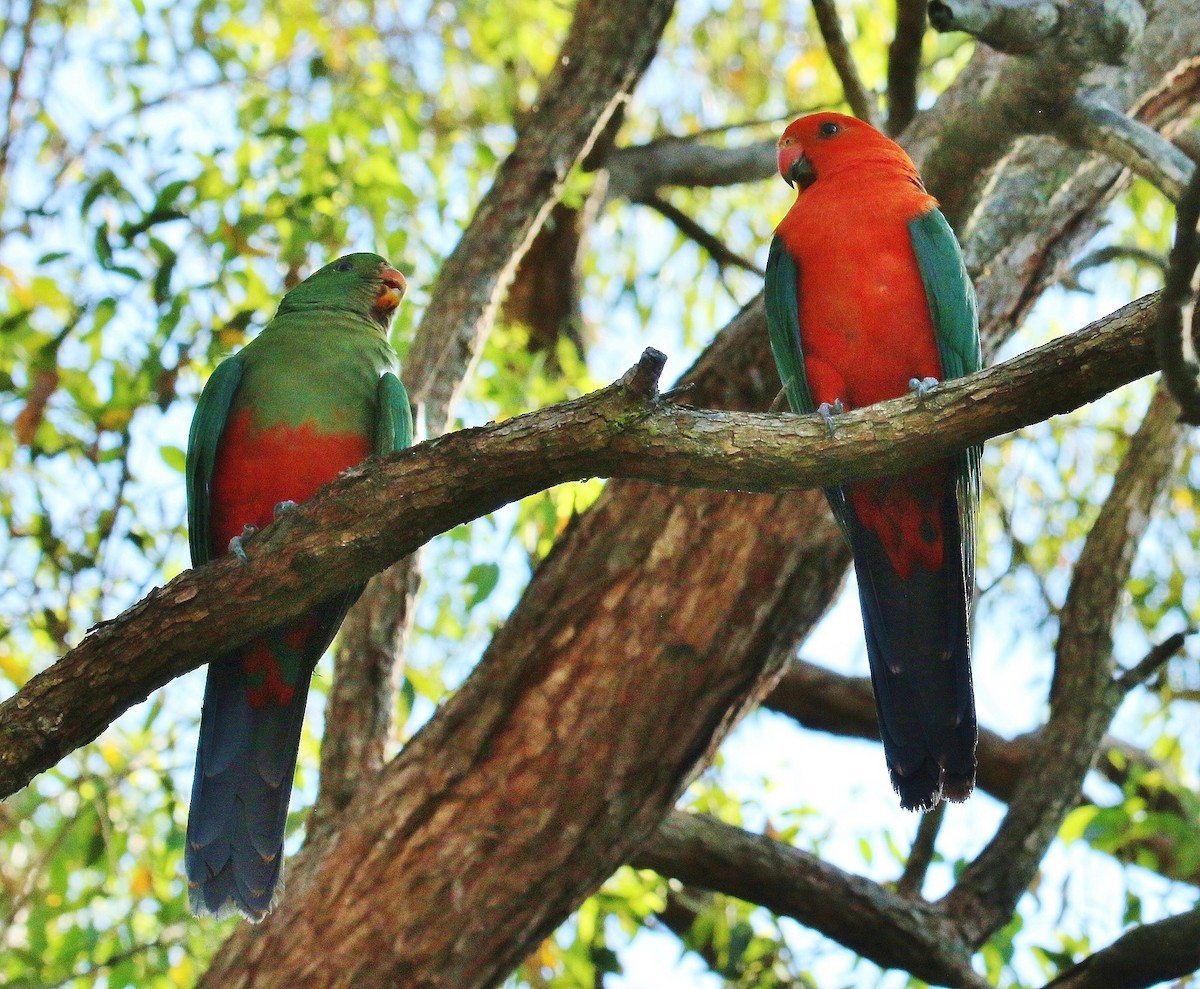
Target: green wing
[[207, 426], [956, 322], [394, 426], [782, 295]]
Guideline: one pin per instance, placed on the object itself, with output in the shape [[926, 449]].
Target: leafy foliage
[[168, 170]]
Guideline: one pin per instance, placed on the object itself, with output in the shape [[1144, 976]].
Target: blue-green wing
[[394, 426], [207, 425], [782, 296], [956, 322]]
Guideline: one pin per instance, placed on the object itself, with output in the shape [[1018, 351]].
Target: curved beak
[[801, 173], [391, 290]]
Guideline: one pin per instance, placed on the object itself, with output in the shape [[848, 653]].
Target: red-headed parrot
[[867, 298], [314, 394]]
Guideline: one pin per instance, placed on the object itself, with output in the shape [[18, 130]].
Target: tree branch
[[609, 46], [1181, 372], [904, 64], [1142, 957], [1094, 126], [1084, 695], [860, 99], [387, 508], [888, 929], [692, 230]]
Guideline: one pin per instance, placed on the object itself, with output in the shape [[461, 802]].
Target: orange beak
[[391, 291]]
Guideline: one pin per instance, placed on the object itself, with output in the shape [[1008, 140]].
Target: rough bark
[[605, 53], [388, 507]]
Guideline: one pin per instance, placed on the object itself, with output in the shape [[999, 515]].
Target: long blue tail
[[244, 767], [918, 644]]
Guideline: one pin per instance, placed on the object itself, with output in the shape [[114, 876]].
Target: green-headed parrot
[[314, 394], [867, 298]]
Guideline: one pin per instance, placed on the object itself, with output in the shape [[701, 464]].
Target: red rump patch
[[264, 679], [254, 471], [905, 513]]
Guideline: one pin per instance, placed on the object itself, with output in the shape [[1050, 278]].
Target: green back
[[323, 359]]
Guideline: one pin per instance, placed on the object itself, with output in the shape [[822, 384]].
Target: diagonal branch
[[1140, 958], [609, 46], [904, 64], [717, 250], [385, 509], [884, 927], [602, 58], [1084, 695], [1095, 126], [860, 99]]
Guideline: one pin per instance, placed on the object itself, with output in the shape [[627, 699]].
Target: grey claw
[[284, 506], [922, 386], [827, 411], [235, 544]]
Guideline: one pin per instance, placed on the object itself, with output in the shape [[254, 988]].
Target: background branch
[[601, 60], [1181, 372], [1084, 695], [890, 930], [904, 64], [830, 25]]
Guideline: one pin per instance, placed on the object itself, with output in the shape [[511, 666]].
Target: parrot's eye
[[828, 129], [343, 265]]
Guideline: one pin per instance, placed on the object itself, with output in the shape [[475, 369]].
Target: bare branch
[[890, 930], [1009, 26], [721, 254], [1064, 43], [607, 50], [385, 509], [1181, 372], [1153, 661], [1092, 125], [921, 854], [1142, 957], [904, 64], [638, 171], [1083, 696], [821, 700], [857, 95]]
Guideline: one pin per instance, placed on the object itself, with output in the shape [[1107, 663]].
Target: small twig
[[1180, 370], [921, 854], [857, 95], [1108, 254], [904, 64], [693, 231], [1153, 660], [1096, 127]]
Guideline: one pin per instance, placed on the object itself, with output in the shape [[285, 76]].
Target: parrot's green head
[[364, 284]]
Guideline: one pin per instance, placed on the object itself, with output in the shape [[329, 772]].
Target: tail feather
[[918, 644], [240, 794]]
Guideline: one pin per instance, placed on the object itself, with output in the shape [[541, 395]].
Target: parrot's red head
[[823, 144]]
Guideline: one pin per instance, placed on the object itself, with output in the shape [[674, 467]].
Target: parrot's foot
[[284, 506], [827, 411], [235, 544], [922, 386]]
